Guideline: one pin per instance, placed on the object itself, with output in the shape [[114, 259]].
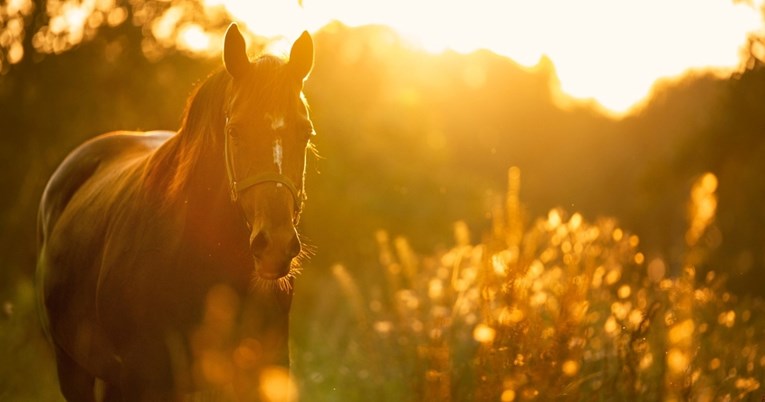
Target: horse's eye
[[232, 131]]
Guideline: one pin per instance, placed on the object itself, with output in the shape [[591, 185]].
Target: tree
[[32, 29]]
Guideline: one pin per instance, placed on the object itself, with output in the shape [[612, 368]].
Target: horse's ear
[[235, 52], [301, 56]]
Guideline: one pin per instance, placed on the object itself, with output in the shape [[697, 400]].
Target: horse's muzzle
[[274, 252]]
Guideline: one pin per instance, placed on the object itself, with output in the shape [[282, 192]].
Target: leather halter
[[237, 186]]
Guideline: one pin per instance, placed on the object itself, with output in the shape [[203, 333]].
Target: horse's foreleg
[[75, 382], [139, 394], [112, 394]]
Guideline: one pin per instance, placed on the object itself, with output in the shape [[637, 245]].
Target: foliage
[[563, 310], [413, 142], [28, 371], [32, 29]]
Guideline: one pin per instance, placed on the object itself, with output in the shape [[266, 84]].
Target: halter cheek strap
[[237, 186]]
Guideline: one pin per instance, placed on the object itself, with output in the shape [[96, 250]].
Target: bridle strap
[[237, 186]]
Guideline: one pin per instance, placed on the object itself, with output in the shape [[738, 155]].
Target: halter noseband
[[237, 186]]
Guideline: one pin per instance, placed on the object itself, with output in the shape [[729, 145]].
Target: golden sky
[[611, 51]]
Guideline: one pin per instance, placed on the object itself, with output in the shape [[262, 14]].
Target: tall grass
[[560, 309], [552, 308], [27, 371]]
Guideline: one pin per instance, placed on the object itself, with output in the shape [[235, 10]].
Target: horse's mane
[[170, 168]]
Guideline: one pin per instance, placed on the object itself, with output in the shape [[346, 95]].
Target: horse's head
[[266, 138]]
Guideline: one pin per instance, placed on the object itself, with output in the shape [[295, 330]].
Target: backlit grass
[[554, 308], [558, 309]]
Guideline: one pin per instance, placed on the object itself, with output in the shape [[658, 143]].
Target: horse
[[166, 261]]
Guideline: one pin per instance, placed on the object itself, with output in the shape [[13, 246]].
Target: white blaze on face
[[277, 122], [278, 154]]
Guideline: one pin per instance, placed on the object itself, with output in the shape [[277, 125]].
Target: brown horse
[[166, 261]]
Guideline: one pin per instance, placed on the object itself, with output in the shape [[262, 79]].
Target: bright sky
[[611, 51]]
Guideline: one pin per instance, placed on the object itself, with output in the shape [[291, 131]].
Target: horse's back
[[84, 163], [73, 219]]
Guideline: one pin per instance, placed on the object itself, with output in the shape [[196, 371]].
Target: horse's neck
[[207, 190], [191, 176], [214, 224]]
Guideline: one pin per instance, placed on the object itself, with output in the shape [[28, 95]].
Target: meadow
[[550, 308]]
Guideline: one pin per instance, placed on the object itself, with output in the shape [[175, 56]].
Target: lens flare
[[277, 385]]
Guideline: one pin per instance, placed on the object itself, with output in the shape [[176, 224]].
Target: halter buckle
[[234, 193]]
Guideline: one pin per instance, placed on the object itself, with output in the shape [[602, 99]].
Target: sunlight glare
[[677, 361], [508, 395], [484, 333], [193, 37], [271, 19], [570, 368], [277, 385], [610, 52]]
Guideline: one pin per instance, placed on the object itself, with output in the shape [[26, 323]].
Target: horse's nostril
[[258, 243]]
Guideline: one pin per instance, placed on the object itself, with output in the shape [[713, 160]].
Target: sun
[[607, 52]]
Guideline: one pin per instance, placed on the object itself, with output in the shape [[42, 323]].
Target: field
[[557, 309]]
